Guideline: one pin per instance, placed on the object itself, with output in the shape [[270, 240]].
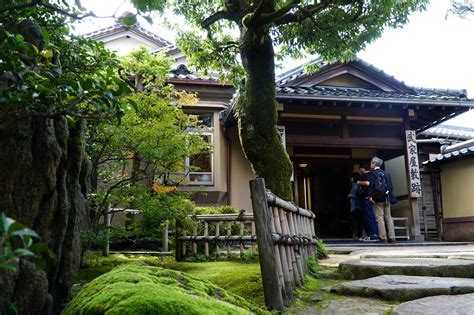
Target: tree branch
[[217, 16], [301, 14]]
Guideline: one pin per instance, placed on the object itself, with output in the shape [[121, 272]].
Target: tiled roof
[[459, 150], [287, 85], [365, 93], [450, 132], [135, 28], [183, 73]]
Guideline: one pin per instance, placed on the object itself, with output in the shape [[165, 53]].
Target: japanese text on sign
[[413, 165]]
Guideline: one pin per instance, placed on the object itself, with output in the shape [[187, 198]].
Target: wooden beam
[[336, 142], [309, 116]]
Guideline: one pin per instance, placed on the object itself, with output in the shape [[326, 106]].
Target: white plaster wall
[[241, 174], [397, 168]]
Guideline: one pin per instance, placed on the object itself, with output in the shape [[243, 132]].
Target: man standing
[[380, 183], [363, 182], [356, 208]]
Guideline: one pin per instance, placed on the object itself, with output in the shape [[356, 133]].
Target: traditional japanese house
[[344, 114], [330, 121]]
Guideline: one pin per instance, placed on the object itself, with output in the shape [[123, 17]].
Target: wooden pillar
[[413, 202], [273, 298], [436, 206]]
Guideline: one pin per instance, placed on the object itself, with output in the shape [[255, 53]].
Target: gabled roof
[[453, 152], [379, 87], [135, 29], [357, 67]]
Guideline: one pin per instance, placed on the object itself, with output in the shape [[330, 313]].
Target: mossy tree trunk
[[43, 185], [257, 113]]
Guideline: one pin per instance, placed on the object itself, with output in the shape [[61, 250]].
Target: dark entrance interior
[[325, 188], [322, 185]]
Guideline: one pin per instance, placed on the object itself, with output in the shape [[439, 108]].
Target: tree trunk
[[258, 115], [42, 168]]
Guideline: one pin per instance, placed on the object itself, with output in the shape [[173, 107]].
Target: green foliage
[[17, 241], [225, 209], [46, 71], [322, 252], [140, 289], [313, 267], [334, 30], [139, 162]]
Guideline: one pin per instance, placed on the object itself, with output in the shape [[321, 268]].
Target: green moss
[[143, 289], [237, 277]]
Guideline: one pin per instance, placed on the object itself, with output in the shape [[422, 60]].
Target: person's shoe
[[374, 237], [391, 240], [383, 241]]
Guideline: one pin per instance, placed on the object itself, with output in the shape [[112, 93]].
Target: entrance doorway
[[323, 188], [323, 182]]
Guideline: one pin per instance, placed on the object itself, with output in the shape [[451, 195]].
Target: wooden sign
[[413, 164]]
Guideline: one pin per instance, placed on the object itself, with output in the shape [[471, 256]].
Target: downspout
[[229, 162]]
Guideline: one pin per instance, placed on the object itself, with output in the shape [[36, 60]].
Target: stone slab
[[404, 288], [368, 268], [438, 305]]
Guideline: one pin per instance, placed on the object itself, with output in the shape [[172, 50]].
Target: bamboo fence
[[224, 238], [286, 239]]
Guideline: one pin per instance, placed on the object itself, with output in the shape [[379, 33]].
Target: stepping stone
[[438, 305], [368, 268], [404, 288]]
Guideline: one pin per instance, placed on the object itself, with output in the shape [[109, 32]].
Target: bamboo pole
[[276, 249], [242, 249], [206, 244], [165, 238], [229, 233], [273, 298], [195, 248], [184, 247], [108, 225], [303, 248], [252, 232], [286, 231], [218, 228], [294, 255], [284, 262]]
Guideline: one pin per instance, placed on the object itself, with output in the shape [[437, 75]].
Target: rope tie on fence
[[286, 239]]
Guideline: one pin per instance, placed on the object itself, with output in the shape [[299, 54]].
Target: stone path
[[398, 273], [436, 267], [404, 288], [438, 305]]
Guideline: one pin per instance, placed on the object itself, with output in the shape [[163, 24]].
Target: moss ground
[[237, 277], [137, 288]]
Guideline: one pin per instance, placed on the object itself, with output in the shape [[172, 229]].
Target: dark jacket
[[372, 178]]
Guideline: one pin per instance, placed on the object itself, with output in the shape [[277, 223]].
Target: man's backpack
[[380, 190]]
